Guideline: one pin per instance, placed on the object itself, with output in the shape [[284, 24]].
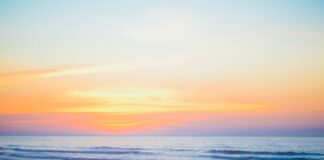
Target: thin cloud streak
[[11, 77], [63, 71]]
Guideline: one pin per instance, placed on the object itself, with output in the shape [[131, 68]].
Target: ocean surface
[[159, 148]]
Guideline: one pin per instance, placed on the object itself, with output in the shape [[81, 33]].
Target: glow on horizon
[[162, 68]]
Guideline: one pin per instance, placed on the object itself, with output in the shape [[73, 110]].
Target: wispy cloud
[[89, 70], [125, 66], [12, 77], [62, 71]]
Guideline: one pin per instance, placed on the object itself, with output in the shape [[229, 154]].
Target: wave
[[60, 154], [106, 151], [77, 151], [15, 155], [240, 152], [115, 148], [257, 158]]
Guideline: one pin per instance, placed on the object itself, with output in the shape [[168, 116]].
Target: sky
[[160, 67]]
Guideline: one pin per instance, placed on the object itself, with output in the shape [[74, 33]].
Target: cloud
[[62, 71], [144, 64], [89, 70], [124, 66], [9, 78]]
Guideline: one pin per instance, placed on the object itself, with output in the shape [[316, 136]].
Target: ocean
[[159, 148]]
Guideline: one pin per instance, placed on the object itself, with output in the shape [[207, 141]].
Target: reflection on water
[[187, 148]]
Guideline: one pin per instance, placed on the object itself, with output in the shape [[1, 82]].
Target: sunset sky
[[160, 67]]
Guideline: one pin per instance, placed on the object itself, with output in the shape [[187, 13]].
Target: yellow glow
[[135, 93], [152, 101]]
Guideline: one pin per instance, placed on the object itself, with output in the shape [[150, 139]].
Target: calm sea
[[159, 148]]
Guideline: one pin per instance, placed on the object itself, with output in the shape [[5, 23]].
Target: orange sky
[[161, 69]]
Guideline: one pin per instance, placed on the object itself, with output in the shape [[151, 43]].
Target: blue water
[[159, 148]]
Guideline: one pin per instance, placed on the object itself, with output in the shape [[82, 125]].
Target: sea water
[[159, 148]]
